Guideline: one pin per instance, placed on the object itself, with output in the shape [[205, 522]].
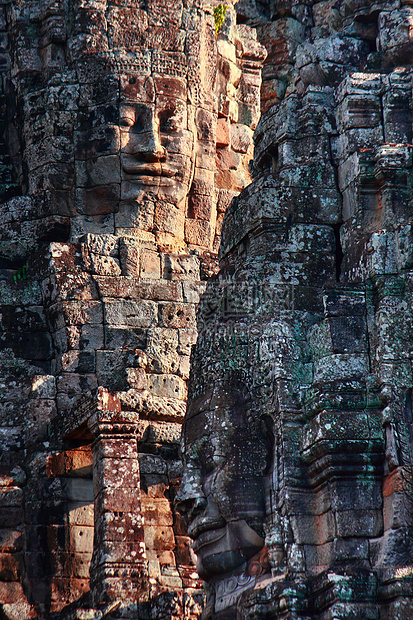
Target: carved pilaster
[[342, 440], [118, 569]]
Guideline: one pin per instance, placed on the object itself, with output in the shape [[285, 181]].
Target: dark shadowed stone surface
[[311, 312]]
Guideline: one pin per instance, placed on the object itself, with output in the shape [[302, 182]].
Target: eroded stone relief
[[310, 311], [129, 129]]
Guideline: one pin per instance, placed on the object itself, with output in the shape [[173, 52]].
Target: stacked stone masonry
[[297, 488], [127, 130], [126, 137]]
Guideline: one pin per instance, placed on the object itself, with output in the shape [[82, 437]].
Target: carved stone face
[[223, 487], [143, 167], [156, 145], [116, 142]]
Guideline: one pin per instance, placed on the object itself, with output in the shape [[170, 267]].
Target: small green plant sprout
[[219, 16], [21, 274]]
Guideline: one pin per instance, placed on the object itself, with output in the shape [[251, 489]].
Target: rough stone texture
[[126, 130], [305, 333]]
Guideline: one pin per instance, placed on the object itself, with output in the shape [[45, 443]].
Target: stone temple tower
[[297, 440], [126, 130], [127, 164]]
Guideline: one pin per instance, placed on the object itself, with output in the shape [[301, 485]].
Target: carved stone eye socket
[[138, 125], [133, 124], [207, 465], [167, 121], [206, 459], [125, 121]]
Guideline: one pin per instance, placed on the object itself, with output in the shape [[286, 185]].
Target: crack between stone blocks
[[368, 335], [382, 111], [336, 227]]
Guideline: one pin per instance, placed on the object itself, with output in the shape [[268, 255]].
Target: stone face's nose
[[141, 137], [190, 500], [150, 147]]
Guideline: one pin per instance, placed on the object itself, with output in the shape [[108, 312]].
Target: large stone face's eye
[[167, 121], [171, 117], [126, 121], [143, 120], [126, 116], [207, 462], [200, 453], [136, 119], [138, 125]]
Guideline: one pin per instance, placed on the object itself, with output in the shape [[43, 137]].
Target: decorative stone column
[[119, 569]]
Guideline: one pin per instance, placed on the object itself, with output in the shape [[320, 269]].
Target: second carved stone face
[[223, 488]]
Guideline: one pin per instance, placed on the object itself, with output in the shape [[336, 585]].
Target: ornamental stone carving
[[126, 131], [310, 313]]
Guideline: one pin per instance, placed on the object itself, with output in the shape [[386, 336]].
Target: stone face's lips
[[154, 170], [205, 524], [149, 170], [209, 537]]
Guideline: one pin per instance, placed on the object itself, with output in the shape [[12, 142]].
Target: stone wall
[[306, 332], [127, 131]]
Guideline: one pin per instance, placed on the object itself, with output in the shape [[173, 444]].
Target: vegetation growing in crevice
[[219, 16]]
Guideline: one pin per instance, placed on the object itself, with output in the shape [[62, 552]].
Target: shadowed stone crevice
[[339, 250]]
